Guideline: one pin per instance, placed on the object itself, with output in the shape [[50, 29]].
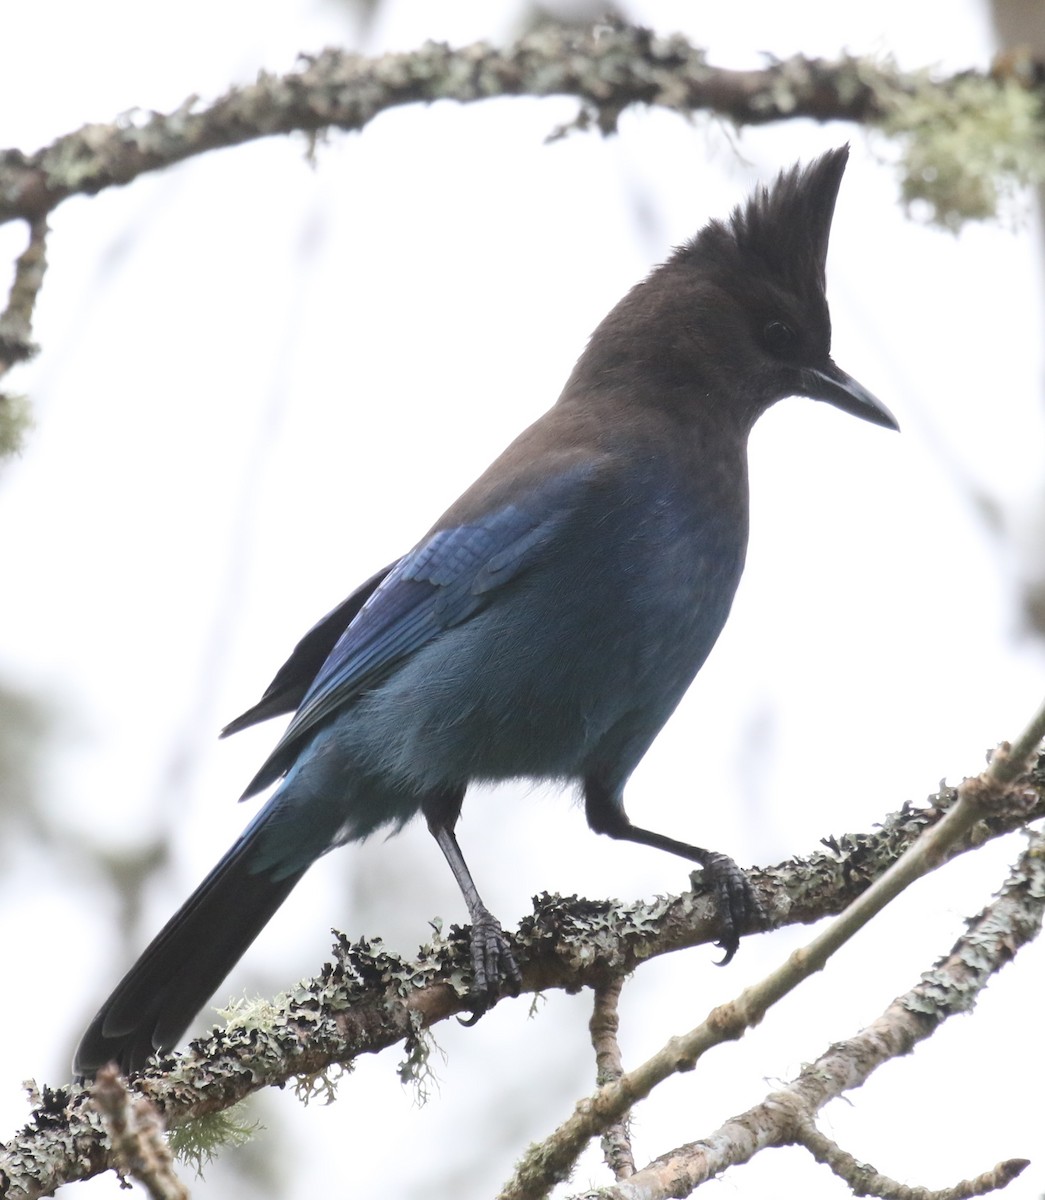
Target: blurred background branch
[[968, 140], [987, 123]]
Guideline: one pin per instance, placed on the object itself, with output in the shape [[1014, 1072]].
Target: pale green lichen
[[199, 1141], [968, 148], [251, 1012], [15, 422], [416, 1066], [322, 1087]]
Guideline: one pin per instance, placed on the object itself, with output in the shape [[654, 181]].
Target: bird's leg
[[493, 966], [737, 905]]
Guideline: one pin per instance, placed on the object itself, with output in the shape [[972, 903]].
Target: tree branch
[[367, 1000], [607, 68], [604, 1023], [967, 140], [1009, 922], [864, 1180], [16, 330], [16, 320], [136, 1133], [551, 1161]]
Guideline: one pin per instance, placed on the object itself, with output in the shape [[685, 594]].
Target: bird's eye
[[779, 339]]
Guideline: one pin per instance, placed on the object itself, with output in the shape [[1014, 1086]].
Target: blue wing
[[292, 681], [439, 584]]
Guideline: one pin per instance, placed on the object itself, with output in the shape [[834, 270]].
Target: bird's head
[[737, 318]]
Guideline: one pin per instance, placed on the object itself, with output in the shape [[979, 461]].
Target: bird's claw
[[736, 904], [494, 969]]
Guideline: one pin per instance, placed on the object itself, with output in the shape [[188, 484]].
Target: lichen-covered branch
[[16, 330], [1009, 922], [367, 1000], [16, 321], [549, 1162], [966, 142], [606, 68]]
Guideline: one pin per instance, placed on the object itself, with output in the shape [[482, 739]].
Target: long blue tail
[[155, 1002]]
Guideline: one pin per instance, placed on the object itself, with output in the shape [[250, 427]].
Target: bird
[[548, 624]]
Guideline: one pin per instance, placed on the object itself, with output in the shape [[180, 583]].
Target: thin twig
[[604, 1023], [135, 1130], [864, 1180], [1017, 758], [16, 321], [1011, 921], [549, 1162], [16, 333]]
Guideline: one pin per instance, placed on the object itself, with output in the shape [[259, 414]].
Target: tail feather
[[155, 1002]]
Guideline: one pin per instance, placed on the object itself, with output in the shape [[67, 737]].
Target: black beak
[[832, 384]]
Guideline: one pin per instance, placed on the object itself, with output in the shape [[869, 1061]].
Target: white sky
[[262, 380]]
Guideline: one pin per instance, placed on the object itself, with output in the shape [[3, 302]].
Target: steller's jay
[[550, 621]]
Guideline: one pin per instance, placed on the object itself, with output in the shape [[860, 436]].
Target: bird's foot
[[736, 903], [494, 969]]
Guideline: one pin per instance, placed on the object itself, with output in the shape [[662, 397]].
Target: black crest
[[784, 227]]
